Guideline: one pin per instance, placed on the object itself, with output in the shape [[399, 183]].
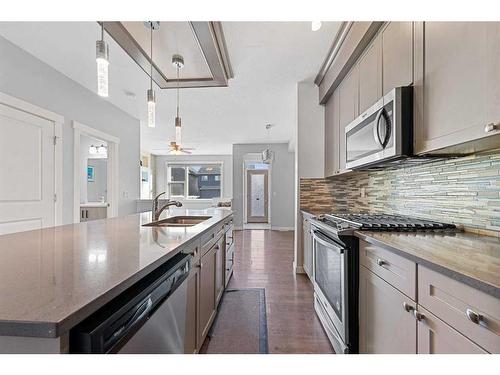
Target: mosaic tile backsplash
[[465, 191]]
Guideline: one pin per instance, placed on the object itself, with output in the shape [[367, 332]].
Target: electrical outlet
[[362, 192]]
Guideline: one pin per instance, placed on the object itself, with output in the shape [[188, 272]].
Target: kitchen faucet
[[157, 211]]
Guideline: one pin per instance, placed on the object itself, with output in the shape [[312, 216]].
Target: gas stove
[[345, 222]]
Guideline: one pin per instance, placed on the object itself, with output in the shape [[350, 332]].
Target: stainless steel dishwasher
[[149, 318]]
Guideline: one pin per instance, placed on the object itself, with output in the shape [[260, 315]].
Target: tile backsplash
[[465, 191]]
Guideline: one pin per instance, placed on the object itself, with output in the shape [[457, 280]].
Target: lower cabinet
[[448, 316], [207, 292], [220, 269], [437, 337], [192, 312], [386, 322], [308, 247]]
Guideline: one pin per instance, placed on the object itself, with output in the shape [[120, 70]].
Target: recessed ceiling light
[[315, 25]]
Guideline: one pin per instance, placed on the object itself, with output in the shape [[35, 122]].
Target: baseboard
[[283, 228], [298, 269]]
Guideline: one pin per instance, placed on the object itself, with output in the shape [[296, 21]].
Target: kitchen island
[[52, 279]]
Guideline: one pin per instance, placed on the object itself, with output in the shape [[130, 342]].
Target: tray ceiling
[[201, 44]]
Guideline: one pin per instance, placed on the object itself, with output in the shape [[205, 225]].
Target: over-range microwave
[[383, 133]]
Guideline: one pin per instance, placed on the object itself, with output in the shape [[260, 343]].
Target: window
[[194, 181]]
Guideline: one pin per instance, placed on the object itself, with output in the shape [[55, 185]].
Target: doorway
[[30, 166], [257, 196], [257, 182], [95, 174]]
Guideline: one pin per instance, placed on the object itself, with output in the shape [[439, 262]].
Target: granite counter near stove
[[470, 258]]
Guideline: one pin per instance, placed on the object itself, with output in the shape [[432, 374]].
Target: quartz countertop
[[470, 258], [93, 204], [53, 278]]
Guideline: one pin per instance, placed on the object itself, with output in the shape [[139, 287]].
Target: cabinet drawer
[[396, 270], [193, 249], [457, 303], [436, 337], [209, 238]]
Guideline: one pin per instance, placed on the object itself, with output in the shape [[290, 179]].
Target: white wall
[[227, 174], [27, 78], [282, 184], [310, 132], [310, 157]]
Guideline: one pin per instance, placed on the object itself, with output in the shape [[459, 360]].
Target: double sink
[[178, 221]]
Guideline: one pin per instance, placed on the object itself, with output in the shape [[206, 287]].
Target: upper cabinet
[[397, 52], [348, 109], [370, 75], [459, 94]]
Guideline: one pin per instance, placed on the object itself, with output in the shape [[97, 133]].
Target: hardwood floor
[[263, 259]]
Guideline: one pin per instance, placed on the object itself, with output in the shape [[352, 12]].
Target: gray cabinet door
[[384, 324], [493, 74], [348, 109], [459, 96], [332, 135], [436, 337], [207, 307], [370, 75], [397, 55], [308, 247]]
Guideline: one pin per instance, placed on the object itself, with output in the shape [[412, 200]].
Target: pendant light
[[178, 63], [152, 25], [268, 154], [102, 59]]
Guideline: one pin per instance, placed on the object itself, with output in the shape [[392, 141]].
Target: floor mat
[[241, 324]]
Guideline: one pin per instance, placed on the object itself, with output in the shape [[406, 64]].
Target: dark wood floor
[[263, 259]]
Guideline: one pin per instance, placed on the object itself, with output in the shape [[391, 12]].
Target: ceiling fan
[[177, 149]]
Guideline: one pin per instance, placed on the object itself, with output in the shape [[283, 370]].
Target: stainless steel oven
[[335, 286], [330, 282], [383, 133]]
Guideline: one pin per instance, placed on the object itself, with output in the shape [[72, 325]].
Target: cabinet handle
[[473, 316], [418, 315], [381, 262], [408, 307], [490, 127]]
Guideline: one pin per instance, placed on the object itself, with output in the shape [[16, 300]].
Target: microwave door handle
[[376, 133], [327, 244]]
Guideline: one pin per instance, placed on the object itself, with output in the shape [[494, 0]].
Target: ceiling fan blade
[[186, 152]]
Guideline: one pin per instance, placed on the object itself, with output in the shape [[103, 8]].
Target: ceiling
[[268, 59]]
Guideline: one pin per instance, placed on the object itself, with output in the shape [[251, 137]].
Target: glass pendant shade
[[178, 131], [151, 108], [92, 150], [102, 59]]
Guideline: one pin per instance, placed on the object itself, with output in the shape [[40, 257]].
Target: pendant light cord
[[151, 54], [177, 90]]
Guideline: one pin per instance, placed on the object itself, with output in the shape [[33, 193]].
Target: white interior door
[[257, 196], [27, 171]]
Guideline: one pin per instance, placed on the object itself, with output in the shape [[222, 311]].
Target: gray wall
[[27, 78], [282, 183]]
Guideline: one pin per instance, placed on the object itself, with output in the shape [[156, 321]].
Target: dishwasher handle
[[139, 314]]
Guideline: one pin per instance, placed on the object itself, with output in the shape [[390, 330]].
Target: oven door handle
[[329, 244]]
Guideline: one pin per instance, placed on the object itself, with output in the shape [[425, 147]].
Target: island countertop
[[53, 278]]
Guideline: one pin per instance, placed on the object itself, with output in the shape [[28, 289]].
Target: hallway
[[263, 259]]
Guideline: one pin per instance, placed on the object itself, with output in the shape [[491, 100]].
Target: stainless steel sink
[[178, 221]]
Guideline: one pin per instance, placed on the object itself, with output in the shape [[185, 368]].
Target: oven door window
[[329, 274]]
